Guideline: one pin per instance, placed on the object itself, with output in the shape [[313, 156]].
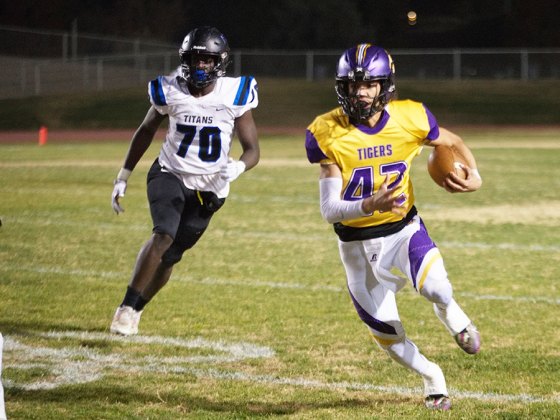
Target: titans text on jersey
[[198, 119]]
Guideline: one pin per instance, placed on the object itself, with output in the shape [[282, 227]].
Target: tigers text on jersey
[[200, 131], [366, 155]]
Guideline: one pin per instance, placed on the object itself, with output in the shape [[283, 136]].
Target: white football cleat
[[125, 321]]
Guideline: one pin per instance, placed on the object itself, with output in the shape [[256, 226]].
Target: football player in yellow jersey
[[365, 149]]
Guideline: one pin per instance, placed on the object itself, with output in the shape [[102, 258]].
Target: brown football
[[444, 160]]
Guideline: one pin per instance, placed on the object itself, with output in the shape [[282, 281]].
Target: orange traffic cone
[[43, 134]]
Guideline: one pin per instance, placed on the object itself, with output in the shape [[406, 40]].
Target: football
[[444, 160]]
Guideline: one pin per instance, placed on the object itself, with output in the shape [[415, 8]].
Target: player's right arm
[[142, 138], [454, 183], [140, 142], [334, 209]]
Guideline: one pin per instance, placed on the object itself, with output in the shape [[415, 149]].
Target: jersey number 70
[[210, 142]]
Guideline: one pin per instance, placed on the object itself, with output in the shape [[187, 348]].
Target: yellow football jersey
[[366, 155]]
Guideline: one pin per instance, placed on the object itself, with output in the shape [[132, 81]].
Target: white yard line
[[361, 386], [77, 365], [59, 220], [258, 283]]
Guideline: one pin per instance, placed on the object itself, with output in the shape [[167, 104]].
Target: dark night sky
[[295, 24]]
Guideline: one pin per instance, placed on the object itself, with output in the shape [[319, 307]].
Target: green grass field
[[256, 321]]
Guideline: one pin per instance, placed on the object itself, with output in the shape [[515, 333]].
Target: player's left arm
[[453, 183], [247, 133]]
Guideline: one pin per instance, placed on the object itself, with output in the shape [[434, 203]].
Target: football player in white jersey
[[189, 181], [364, 150]]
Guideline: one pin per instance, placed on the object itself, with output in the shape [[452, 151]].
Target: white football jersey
[[200, 131]]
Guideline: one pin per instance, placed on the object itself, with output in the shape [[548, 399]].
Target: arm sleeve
[[333, 209]]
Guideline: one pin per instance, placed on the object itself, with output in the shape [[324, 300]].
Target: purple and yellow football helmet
[[363, 63]]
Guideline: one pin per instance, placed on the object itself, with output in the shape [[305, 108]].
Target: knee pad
[[436, 286], [385, 344], [404, 352], [437, 290], [396, 349], [173, 254], [185, 239]]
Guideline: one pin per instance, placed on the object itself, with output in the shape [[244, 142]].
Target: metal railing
[[46, 62]]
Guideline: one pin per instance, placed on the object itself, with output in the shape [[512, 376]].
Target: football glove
[[118, 191], [231, 171]]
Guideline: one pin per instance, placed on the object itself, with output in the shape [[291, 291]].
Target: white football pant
[[372, 282]]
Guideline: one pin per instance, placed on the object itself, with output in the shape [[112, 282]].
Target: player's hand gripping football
[[453, 183], [118, 191], [384, 200]]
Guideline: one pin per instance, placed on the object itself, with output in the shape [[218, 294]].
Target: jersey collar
[[381, 123]]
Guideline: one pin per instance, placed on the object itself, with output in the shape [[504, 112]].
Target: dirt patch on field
[[545, 213]]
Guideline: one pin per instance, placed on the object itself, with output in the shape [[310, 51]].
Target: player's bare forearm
[[453, 183], [448, 138], [247, 133], [142, 138], [250, 157], [138, 146]]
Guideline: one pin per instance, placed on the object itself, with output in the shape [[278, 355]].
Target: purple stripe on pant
[[419, 245], [370, 321]]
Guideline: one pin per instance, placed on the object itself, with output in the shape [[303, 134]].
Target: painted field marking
[[79, 365], [266, 284], [266, 235]]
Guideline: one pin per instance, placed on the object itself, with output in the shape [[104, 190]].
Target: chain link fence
[[36, 63]]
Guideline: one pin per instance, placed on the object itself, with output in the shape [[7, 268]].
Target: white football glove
[[231, 171], [118, 191]]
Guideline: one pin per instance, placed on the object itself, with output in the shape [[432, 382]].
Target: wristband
[[124, 174]]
